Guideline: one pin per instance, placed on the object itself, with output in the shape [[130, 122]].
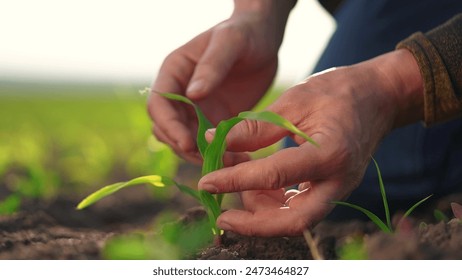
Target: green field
[[71, 138]]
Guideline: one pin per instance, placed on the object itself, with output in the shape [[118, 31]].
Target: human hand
[[224, 70], [347, 111]]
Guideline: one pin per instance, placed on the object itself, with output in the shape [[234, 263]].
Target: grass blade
[[177, 97], [383, 194], [409, 211], [203, 122], [368, 213], [154, 180], [213, 158], [212, 208]]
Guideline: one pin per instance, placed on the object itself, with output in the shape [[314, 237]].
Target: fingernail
[[195, 87], [224, 226], [209, 188]]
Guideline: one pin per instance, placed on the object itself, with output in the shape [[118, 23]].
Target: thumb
[[213, 67]]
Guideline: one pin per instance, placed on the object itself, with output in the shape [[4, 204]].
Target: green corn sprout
[[212, 154], [384, 226]]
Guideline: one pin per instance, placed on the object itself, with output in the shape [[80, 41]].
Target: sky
[[126, 41]]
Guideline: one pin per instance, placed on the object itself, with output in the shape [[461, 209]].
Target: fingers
[[263, 134], [271, 218], [291, 106], [265, 216], [231, 159], [173, 120], [266, 223], [172, 125], [218, 58], [192, 156], [284, 168], [261, 200]]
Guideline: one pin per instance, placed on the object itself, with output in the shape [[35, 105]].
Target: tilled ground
[[56, 230]]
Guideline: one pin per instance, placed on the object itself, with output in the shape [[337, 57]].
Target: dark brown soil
[[55, 230]]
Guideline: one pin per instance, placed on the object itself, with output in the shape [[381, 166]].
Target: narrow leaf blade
[[368, 213], [213, 158], [177, 97], [154, 180], [413, 207], [383, 194], [213, 209]]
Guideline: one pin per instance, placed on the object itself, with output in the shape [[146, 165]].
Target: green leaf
[[213, 157], [177, 97], [213, 209], [154, 180], [10, 204], [353, 249], [383, 194], [204, 123], [368, 213], [440, 216], [409, 211]]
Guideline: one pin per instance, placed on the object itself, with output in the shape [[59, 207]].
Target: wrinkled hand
[[347, 111], [224, 70]]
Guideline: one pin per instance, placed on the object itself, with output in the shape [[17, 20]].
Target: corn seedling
[[10, 204], [353, 249], [384, 226], [212, 154]]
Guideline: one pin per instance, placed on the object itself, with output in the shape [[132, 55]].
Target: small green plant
[[168, 241], [352, 249], [440, 216], [384, 226], [10, 204], [212, 154]]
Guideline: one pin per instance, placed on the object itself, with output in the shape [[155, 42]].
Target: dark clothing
[[439, 56], [415, 161]]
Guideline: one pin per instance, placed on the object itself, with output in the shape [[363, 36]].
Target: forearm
[[265, 7]]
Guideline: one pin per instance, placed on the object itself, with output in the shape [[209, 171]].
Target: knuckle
[[250, 127], [248, 230], [231, 32], [171, 58], [274, 179], [234, 185]]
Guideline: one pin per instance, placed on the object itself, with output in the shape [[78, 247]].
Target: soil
[[55, 230]]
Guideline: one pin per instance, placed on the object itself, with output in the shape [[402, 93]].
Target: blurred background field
[[74, 137]]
